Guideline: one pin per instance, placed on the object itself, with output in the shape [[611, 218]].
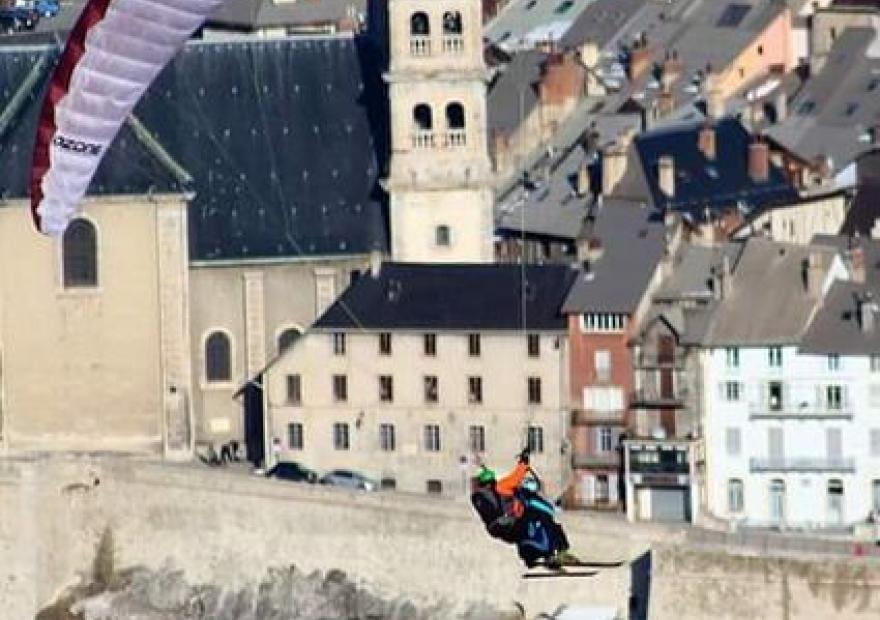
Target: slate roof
[[453, 297], [253, 14], [701, 183], [692, 271], [767, 302], [285, 140], [837, 106], [513, 95], [837, 326], [633, 241]]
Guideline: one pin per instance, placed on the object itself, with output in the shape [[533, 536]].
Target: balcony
[[805, 411], [589, 417], [420, 45], [423, 139], [453, 43], [455, 138], [654, 398], [603, 460], [649, 360], [838, 465]]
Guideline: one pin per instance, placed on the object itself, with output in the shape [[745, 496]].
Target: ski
[[589, 564], [560, 573]]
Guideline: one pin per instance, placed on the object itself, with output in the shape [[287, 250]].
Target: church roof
[[284, 140]]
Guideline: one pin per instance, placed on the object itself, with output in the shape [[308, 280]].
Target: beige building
[[440, 177], [419, 371]]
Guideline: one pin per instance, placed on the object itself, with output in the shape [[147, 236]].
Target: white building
[[790, 362], [419, 371]]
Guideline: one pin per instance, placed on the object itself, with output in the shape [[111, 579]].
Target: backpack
[[491, 509]]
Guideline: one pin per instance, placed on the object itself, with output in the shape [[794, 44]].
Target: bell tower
[[440, 178]]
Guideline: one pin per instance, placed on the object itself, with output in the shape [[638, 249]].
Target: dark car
[[349, 479], [13, 19], [291, 470]]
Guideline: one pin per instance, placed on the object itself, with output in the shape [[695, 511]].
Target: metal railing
[[802, 464], [801, 410], [455, 138], [582, 417], [423, 139], [420, 45], [453, 43], [656, 397]]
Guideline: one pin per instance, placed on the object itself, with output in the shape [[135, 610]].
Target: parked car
[[349, 479], [291, 470], [16, 18], [47, 8]]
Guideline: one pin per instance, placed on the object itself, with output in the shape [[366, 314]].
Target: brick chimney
[[867, 308], [583, 180], [666, 175], [671, 70], [812, 275], [856, 260], [714, 96], [640, 58], [562, 78], [706, 141], [759, 161], [613, 167]]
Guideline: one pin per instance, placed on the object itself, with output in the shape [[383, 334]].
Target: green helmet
[[486, 476]]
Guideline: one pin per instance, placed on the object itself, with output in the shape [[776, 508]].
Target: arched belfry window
[[422, 117], [419, 26], [455, 116], [452, 22], [287, 338], [80, 254], [218, 358]]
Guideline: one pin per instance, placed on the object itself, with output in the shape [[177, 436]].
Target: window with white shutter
[[834, 443], [875, 442], [733, 441]]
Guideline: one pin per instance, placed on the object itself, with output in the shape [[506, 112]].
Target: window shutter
[[834, 443], [612, 488]]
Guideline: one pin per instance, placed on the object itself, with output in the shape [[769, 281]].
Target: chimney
[[666, 102], [867, 309], [726, 276], [589, 249], [583, 180], [666, 175], [671, 71], [375, 263], [639, 59], [856, 256], [714, 96], [706, 141], [812, 275], [759, 161], [781, 106], [590, 54], [613, 167]]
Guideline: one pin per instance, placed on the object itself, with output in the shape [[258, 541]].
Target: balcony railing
[[652, 397], [845, 465], [420, 45], [453, 43], [648, 360], [455, 138], [586, 417], [801, 410], [599, 459], [423, 139]]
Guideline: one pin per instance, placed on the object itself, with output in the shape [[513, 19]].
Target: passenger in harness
[[513, 510]]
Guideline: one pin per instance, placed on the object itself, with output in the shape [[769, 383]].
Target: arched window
[[419, 25], [422, 117], [287, 338], [452, 22], [80, 254], [455, 116], [218, 358], [442, 236]]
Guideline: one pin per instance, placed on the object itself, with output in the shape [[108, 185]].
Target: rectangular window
[[432, 438], [536, 439], [733, 441], [477, 438], [735, 496], [834, 397], [294, 390], [435, 487], [474, 345], [774, 396], [731, 357], [875, 363], [834, 444], [731, 391], [340, 436], [534, 342], [388, 484], [875, 441], [833, 361], [386, 388], [875, 495], [774, 357], [534, 390], [386, 438], [340, 388], [603, 365], [775, 443], [605, 442], [385, 343], [432, 389], [475, 390], [295, 436], [430, 343], [338, 343]]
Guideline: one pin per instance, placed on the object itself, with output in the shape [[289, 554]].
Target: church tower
[[440, 179]]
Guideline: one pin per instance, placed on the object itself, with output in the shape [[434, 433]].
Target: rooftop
[[453, 297], [837, 327]]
